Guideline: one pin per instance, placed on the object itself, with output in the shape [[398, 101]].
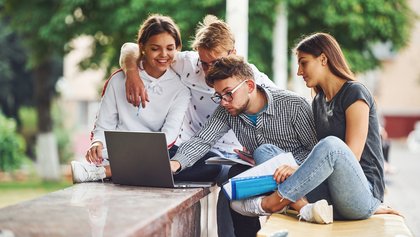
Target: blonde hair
[[213, 34]]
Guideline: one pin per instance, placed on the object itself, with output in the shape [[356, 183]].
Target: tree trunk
[[46, 146]]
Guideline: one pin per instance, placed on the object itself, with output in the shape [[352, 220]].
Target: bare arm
[[357, 123], [134, 87]]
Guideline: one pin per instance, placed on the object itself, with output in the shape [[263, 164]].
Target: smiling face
[[311, 68], [159, 52], [239, 96]]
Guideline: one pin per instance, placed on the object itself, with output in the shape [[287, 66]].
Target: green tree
[[357, 25], [12, 145], [31, 21], [15, 80], [46, 28]]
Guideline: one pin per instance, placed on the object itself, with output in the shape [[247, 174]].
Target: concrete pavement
[[403, 186]]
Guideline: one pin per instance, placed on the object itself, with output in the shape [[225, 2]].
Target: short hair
[[229, 66], [213, 34], [157, 24]]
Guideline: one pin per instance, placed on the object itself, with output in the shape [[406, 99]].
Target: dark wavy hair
[[229, 66]]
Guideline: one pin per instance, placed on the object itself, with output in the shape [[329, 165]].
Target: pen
[[138, 110]]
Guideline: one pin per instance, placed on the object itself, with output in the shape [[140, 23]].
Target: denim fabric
[[332, 172], [266, 152]]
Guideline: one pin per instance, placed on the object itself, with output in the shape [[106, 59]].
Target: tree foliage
[[12, 145], [48, 26], [356, 24], [15, 79]]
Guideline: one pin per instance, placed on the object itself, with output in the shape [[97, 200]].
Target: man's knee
[[266, 152]]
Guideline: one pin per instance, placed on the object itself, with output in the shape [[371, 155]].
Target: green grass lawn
[[12, 192]]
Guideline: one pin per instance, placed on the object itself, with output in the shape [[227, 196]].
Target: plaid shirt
[[287, 122]]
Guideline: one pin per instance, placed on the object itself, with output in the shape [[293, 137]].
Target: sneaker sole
[[322, 212]]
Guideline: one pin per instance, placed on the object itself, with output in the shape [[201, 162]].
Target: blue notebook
[[252, 186], [258, 179]]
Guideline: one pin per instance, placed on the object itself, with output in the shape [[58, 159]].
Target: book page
[[266, 168]]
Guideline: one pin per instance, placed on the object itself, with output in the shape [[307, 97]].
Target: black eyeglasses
[[217, 98]]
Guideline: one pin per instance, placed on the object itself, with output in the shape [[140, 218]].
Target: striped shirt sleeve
[[197, 146]]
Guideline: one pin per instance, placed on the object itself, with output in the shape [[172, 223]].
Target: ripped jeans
[[330, 172]]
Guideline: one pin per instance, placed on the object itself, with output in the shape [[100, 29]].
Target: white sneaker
[[319, 212], [84, 172], [249, 207]]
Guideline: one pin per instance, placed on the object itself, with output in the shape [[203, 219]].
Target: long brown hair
[[319, 43]]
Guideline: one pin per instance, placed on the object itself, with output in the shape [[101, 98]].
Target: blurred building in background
[[80, 95], [398, 91]]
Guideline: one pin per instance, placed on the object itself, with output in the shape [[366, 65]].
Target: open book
[[258, 179], [217, 160]]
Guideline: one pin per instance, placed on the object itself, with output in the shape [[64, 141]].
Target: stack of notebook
[[258, 179]]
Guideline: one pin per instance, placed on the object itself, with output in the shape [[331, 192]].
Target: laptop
[[142, 159]]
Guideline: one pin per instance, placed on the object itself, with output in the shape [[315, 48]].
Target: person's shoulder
[[356, 87], [116, 76], [288, 99], [286, 95], [186, 56], [174, 79]]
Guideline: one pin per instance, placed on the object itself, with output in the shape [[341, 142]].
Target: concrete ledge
[[378, 225], [106, 209]]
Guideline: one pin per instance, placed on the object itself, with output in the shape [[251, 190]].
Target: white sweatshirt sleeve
[[175, 116], [128, 49], [107, 117]]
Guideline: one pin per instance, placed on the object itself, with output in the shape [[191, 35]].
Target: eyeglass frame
[[206, 65], [217, 98]]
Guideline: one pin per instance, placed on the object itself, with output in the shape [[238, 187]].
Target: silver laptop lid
[[139, 158]]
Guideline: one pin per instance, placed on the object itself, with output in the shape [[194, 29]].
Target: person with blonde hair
[[213, 40]]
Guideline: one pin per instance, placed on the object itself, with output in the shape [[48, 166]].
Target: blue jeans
[[246, 226], [332, 172]]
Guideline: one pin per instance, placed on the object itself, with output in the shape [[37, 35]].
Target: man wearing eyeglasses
[[257, 115], [213, 40]]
